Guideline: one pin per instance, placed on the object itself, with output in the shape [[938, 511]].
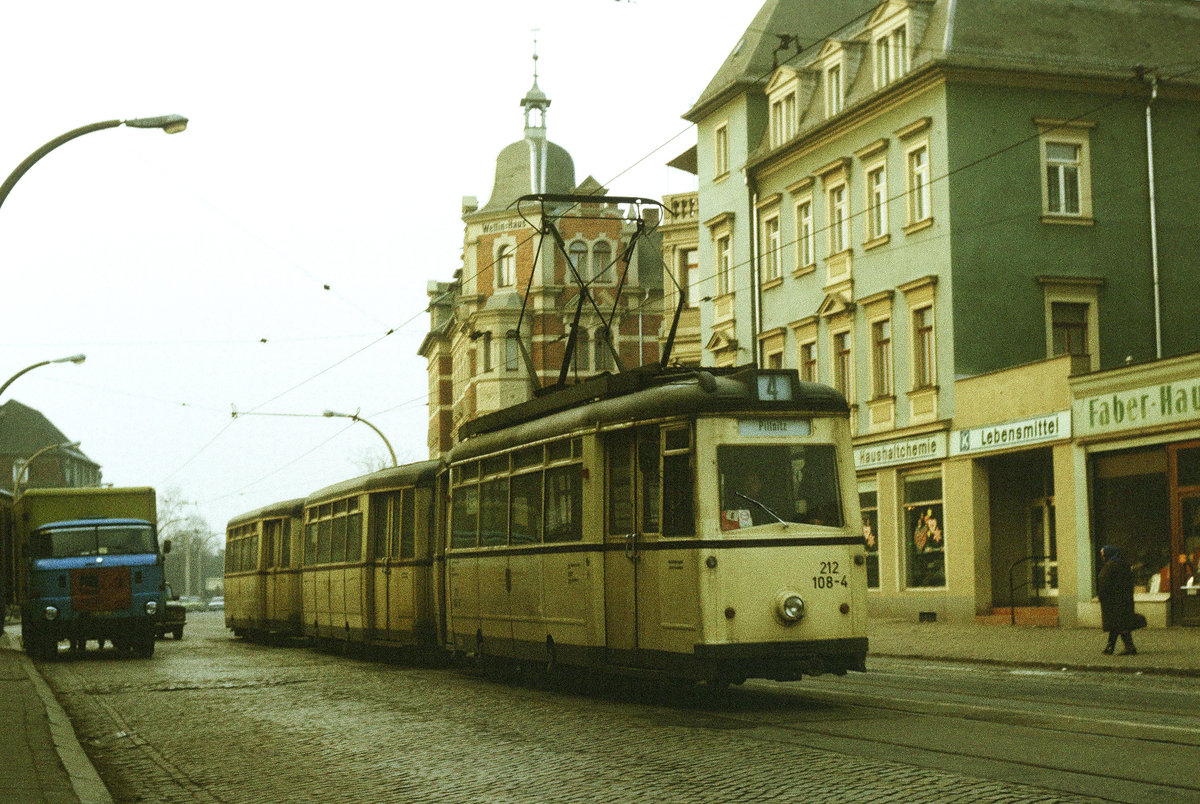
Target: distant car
[[216, 604], [173, 618], [192, 603]]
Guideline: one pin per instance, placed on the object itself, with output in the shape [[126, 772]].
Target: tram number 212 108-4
[[829, 576]]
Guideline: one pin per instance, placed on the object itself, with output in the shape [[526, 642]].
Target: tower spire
[[535, 104]]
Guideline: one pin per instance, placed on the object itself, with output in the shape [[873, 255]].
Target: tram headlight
[[790, 607], [50, 613]]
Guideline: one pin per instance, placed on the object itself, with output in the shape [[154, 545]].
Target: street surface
[[214, 719]]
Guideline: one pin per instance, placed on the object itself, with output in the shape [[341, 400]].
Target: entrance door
[[1185, 579], [632, 524], [1043, 547]]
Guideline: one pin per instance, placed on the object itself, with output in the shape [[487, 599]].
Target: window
[[677, 483], [876, 202], [805, 248], [564, 503], [721, 150], [891, 56], [577, 252], [583, 351], [783, 119], [512, 353], [505, 267], [918, 184], [493, 512], [808, 361], [881, 358], [525, 508], [839, 219], [841, 362], [689, 276], [1069, 328], [924, 531], [1066, 175], [724, 266], [772, 255], [464, 516], [868, 503], [767, 484], [833, 90], [775, 360], [603, 355], [601, 257], [923, 365], [485, 348]]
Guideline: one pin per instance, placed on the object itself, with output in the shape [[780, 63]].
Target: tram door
[[631, 525]]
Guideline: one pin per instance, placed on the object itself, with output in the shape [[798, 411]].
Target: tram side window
[[379, 524], [269, 529], [493, 512], [252, 552], [649, 467], [354, 531], [620, 487], [285, 544], [678, 513], [778, 483], [464, 525], [564, 503], [228, 553], [408, 546], [324, 534], [310, 544], [525, 508], [338, 550]]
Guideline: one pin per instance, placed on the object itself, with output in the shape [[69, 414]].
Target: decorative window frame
[[921, 294], [770, 253], [916, 139], [578, 246], [881, 408], [805, 226], [599, 274], [832, 64], [1078, 134], [770, 345], [721, 228], [1074, 290], [504, 246], [843, 327], [783, 105], [805, 334], [876, 208]]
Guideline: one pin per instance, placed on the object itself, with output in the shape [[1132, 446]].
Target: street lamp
[[70, 359], [23, 465], [355, 417], [170, 123]]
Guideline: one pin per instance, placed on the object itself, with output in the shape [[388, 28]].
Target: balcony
[[682, 208]]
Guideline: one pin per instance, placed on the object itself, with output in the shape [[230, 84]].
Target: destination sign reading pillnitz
[[775, 428]]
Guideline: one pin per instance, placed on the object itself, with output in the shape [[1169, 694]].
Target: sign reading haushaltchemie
[[1151, 405], [1008, 435], [930, 447]]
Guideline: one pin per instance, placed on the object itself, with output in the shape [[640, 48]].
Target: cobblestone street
[[210, 718]]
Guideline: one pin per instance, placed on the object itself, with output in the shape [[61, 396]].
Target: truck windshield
[[93, 540], [764, 484]]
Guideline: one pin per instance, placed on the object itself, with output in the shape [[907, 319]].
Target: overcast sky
[[329, 144]]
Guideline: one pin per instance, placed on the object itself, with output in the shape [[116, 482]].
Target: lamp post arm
[[9, 381], [22, 168], [387, 443]]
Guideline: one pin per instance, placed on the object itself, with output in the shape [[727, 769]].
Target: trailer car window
[[564, 503], [463, 517], [525, 506], [493, 512], [407, 529], [354, 536]]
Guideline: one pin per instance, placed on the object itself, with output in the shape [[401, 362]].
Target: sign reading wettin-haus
[[930, 447], [1011, 435], [1148, 406]]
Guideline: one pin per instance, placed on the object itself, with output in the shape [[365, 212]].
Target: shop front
[[1138, 429]]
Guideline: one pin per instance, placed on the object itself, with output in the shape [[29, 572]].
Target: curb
[[1180, 672], [84, 780]]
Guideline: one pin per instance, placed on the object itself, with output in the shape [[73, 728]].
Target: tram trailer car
[[92, 568], [691, 525], [262, 571], [369, 555]]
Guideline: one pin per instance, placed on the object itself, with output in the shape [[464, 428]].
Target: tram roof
[[638, 395], [274, 510], [392, 477]]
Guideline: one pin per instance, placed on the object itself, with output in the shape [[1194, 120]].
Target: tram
[[687, 524], [262, 571]]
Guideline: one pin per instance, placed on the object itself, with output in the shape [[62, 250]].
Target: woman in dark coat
[[1115, 590]]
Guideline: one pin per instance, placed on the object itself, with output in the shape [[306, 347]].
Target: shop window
[[1188, 467], [868, 503], [1131, 501], [924, 531]]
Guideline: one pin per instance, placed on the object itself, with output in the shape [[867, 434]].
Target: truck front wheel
[[143, 644]]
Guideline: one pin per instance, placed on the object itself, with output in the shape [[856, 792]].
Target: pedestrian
[[1115, 590]]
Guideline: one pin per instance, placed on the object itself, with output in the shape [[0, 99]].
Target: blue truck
[[92, 568]]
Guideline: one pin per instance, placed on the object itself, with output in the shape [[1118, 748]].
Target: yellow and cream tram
[[695, 525], [262, 571], [368, 565]]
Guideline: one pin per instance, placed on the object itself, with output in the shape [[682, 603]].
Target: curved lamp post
[[23, 465], [355, 417], [170, 123], [70, 359]]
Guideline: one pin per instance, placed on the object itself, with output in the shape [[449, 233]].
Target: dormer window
[[783, 119], [891, 56], [833, 89]]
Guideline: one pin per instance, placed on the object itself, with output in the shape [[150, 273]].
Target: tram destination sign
[[1011, 435], [1148, 406], [775, 428]]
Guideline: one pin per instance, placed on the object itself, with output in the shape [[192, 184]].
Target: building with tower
[[536, 279]]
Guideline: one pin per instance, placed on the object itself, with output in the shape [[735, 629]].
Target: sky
[[258, 261]]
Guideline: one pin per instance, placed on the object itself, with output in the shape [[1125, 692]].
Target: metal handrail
[[1012, 606]]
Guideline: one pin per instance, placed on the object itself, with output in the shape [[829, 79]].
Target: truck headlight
[[50, 613], [790, 607], [152, 607]]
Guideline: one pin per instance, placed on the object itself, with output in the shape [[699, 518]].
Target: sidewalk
[[43, 761]]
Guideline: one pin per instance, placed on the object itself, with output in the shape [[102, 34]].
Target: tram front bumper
[[785, 661]]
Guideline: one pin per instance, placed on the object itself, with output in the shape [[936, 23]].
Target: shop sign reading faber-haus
[[1149, 406]]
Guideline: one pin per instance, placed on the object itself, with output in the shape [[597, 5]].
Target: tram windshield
[[764, 484]]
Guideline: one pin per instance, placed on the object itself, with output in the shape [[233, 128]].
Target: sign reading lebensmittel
[[1010, 435]]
